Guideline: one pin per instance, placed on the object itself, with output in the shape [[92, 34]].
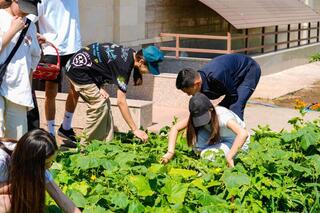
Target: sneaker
[[70, 135]]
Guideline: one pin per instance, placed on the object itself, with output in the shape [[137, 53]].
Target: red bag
[[48, 71]]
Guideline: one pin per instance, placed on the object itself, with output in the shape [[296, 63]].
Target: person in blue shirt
[[234, 75]]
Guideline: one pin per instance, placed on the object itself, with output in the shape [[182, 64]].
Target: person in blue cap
[[234, 75], [108, 63]]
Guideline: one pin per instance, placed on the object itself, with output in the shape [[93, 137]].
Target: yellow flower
[[93, 178], [300, 104], [217, 170]]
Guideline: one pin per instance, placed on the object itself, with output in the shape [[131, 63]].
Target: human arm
[[60, 198], [124, 109], [4, 188], [35, 48], [17, 24], [241, 136], [180, 125], [41, 39]]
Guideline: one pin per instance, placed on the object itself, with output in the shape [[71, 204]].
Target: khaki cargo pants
[[99, 123]]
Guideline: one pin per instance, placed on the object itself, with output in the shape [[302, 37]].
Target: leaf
[[235, 180], [77, 198], [80, 186], [109, 165], [175, 191], [141, 185], [199, 183], [288, 137], [135, 207], [315, 162], [207, 199], [155, 168], [185, 173], [119, 199], [308, 140], [94, 209]]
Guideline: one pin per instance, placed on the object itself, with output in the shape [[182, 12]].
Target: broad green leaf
[[94, 209], [135, 207], [175, 191], [109, 165], [141, 184], [309, 139], [124, 158], [207, 200], [93, 200], [199, 183], [77, 198], [63, 177], [119, 199], [235, 180], [288, 137], [185, 173], [80, 186], [155, 168], [213, 209], [315, 162]]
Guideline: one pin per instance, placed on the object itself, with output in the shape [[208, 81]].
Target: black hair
[[186, 78], [137, 76]]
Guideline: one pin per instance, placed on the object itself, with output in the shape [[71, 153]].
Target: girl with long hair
[[24, 174], [210, 128]]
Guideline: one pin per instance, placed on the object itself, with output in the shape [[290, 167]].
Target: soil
[[309, 95]]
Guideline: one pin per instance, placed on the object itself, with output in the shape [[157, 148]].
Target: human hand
[[166, 158], [141, 134], [17, 24], [230, 161], [104, 93], [41, 39]]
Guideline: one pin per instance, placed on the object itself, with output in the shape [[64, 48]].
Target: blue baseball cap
[[153, 56]]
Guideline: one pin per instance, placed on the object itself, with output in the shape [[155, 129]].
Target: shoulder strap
[[21, 37]]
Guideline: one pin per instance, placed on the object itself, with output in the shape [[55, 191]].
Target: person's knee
[[51, 90]]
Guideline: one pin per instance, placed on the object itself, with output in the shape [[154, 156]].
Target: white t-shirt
[[226, 135], [16, 84], [5, 160], [59, 23]]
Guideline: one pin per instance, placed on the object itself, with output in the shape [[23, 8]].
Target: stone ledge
[[141, 112]]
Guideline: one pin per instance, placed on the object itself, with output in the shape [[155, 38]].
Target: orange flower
[[315, 107], [300, 104]]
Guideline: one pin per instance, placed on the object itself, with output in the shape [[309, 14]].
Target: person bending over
[[210, 128]]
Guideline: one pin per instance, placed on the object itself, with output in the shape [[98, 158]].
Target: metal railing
[[229, 38]]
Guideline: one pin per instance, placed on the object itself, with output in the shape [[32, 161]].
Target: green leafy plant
[[314, 58], [280, 173]]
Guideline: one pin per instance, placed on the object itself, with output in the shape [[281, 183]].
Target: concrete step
[[160, 89], [141, 112]]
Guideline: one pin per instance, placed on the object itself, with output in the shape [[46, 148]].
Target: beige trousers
[[99, 123], [13, 119]]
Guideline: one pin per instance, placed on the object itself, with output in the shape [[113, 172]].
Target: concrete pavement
[[270, 87]]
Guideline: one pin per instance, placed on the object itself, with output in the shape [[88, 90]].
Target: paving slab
[[288, 81], [276, 117]]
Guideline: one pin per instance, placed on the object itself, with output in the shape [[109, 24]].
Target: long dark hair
[[137, 76], [215, 134], [27, 171]]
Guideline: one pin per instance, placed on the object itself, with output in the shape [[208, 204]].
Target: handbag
[[45, 71], [3, 67]]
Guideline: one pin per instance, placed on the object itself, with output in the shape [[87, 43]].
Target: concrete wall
[[112, 20], [176, 16], [96, 20]]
